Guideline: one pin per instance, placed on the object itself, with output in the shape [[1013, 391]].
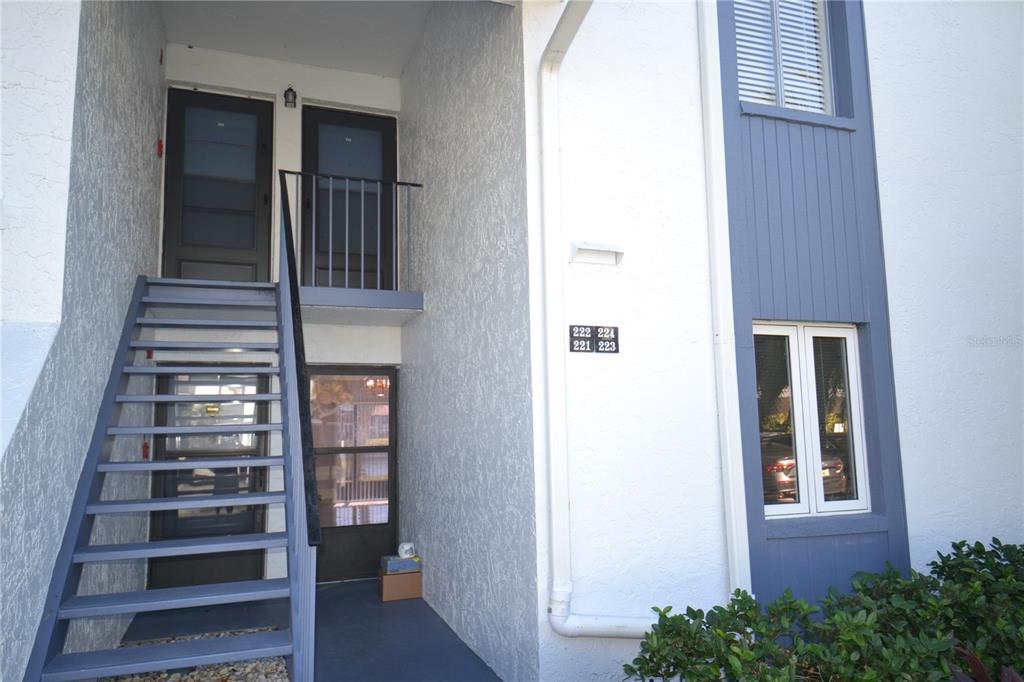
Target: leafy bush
[[968, 614]]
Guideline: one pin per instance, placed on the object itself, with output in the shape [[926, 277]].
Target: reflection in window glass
[[350, 411], [832, 388], [213, 414], [353, 488], [775, 409], [204, 481]]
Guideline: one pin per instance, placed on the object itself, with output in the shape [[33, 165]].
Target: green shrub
[[968, 613]]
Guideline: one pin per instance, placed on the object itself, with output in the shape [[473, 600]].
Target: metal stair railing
[[301, 507]]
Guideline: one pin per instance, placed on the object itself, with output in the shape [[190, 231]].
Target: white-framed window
[[782, 53], [811, 419]]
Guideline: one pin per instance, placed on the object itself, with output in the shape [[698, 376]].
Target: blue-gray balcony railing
[[352, 232]]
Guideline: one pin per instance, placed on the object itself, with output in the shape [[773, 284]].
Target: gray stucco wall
[[112, 237], [466, 488]]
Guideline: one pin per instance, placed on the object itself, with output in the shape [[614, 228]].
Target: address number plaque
[[591, 338]]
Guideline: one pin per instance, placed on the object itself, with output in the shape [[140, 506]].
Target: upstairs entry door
[[218, 187], [353, 242]]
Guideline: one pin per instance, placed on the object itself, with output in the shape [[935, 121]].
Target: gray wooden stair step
[[217, 302], [200, 369], [189, 463], [204, 322], [156, 344], [150, 657], [183, 502], [207, 283], [90, 606], [167, 398], [190, 430], [180, 547]]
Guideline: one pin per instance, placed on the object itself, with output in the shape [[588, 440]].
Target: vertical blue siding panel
[[758, 230], [747, 254], [791, 263], [842, 265], [828, 251], [853, 237], [812, 213], [774, 226], [807, 245], [801, 232]]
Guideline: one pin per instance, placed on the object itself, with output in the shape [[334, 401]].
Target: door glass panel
[[353, 488], [205, 481], [212, 414], [779, 464], [219, 183], [350, 411], [832, 389], [350, 152], [349, 223], [211, 228]]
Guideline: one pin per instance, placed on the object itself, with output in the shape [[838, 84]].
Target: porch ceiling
[[367, 37]]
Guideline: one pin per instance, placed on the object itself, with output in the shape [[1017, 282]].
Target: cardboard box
[[393, 586]]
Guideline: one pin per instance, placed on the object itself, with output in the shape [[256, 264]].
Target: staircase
[[203, 327]]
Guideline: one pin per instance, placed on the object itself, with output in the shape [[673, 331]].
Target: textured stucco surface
[[38, 57], [646, 500], [466, 493], [950, 182], [111, 238]]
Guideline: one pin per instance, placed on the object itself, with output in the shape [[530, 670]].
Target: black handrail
[[315, 537], [353, 178]]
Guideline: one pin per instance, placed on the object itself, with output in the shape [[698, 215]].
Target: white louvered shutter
[[781, 53], [802, 50], [755, 51]]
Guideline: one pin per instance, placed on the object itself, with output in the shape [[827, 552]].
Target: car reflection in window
[[780, 473]]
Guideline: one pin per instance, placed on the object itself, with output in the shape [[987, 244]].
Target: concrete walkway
[[358, 639]]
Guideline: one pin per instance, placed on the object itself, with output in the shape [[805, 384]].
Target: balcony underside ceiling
[[365, 37]]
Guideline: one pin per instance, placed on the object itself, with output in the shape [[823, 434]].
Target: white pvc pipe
[[720, 268], [560, 615]]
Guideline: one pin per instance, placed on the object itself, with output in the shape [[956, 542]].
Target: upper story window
[[810, 410], [782, 53]]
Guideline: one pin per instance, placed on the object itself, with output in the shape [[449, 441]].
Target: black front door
[[192, 523], [353, 244], [217, 187], [354, 438]]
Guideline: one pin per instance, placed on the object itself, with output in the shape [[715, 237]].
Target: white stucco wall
[[113, 207], [646, 492], [465, 460], [230, 73], [946, 85], [38, 60]]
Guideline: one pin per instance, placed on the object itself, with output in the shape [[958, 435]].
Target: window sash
[[782, 55], [799, 416], [807, 442]]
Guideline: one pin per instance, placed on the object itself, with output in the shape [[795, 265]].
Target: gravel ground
[[259, 670]]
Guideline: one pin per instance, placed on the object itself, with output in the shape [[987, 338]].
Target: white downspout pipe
[[560, 615], [720, 269]]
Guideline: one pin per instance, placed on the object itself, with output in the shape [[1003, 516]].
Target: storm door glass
[[351, 418], [217, 519]]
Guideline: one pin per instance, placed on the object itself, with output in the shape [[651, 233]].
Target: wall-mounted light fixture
[[289, 97]]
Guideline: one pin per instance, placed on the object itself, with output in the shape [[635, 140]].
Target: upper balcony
[[352, 236]]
